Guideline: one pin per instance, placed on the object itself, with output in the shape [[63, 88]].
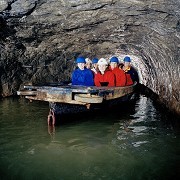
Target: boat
[[67, 99], [26, 93]]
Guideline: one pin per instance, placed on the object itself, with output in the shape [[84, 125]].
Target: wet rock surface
[[39, 41]]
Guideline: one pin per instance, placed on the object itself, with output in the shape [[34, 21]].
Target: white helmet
[[102, 61], [88, 60]]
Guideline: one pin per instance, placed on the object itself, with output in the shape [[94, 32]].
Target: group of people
[[99, 72]]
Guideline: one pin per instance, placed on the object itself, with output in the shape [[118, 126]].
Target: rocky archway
[[40, 40]]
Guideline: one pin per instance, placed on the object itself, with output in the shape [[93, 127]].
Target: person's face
[[88, 65], [81, 66], [95, 65], [126, 64], [102, 68], [113, 65]]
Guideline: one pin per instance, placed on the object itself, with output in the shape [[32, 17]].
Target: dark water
[[138, 141]]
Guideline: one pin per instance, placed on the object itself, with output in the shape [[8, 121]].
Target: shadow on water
[[112, 113]]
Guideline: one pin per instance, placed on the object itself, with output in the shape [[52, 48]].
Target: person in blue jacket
[[82, 75]]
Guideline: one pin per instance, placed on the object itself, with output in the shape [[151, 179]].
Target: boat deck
[[75, 94]]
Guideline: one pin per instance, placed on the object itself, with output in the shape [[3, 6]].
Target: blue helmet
[[95, 60], [80, 60], [114, 59], [127, 59]]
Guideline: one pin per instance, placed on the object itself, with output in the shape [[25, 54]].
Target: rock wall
[[39, 40]]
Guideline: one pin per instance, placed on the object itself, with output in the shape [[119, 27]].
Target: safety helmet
[[102, 61], [80, 60], [95, 60], [127, 59], [114, 59], [88, 60]]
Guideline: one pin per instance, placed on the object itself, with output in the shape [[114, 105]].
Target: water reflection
[[142, 128], [51, 131]]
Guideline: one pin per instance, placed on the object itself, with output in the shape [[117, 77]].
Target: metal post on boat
[[51, 117], [88, 106]]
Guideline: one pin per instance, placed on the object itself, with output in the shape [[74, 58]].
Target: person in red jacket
[[104, 77], [120, 77]]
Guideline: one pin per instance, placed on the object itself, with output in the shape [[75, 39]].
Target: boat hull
[[63, 109], [77, 99]]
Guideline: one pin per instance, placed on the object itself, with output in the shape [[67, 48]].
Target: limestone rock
[[41, 40]]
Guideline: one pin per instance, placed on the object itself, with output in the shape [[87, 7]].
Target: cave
[[40, 41]]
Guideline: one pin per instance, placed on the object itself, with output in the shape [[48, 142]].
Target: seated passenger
[[120, 77], [95, 66], [104, 77], [82, 75], [131, 73], [88, 63]]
